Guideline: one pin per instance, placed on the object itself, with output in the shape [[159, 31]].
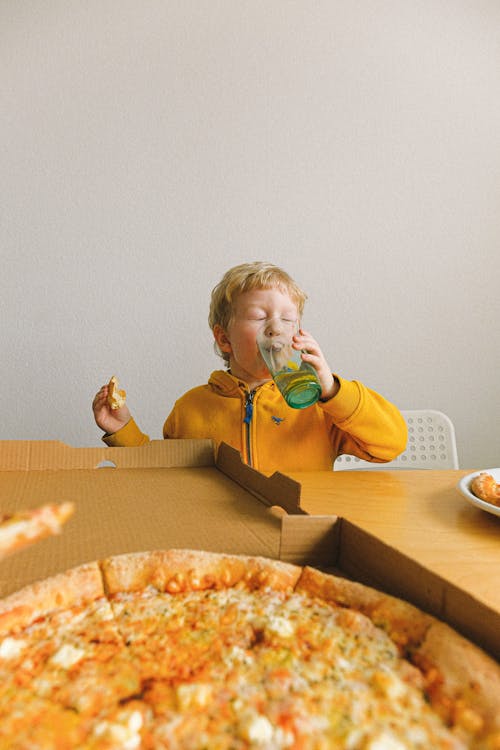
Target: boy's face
[[251, 311]]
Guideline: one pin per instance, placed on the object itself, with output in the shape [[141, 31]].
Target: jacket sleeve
[[372, 428], [129, 436]]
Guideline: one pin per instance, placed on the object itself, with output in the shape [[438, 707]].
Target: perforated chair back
[[431, 445]]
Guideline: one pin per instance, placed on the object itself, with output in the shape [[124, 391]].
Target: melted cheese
[[278, 670], [11, 648], [67, 656], [267, 670], [126, 735]]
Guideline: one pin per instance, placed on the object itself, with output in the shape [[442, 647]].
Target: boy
[[243, 407]]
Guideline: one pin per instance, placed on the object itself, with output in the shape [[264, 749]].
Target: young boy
[[243, 407]]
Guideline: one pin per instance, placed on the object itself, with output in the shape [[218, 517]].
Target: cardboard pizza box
[[175, 493]]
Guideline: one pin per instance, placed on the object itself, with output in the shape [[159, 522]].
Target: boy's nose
[[274, 327]]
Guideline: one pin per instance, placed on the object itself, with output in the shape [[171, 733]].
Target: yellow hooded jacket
[[271, 436]]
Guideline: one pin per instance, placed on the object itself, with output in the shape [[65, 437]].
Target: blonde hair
[[243, 278]]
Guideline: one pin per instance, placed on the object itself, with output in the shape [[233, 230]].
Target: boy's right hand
[[108, 419]]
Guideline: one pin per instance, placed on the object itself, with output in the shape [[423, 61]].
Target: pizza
[[191, 649], [485, 488], [22, 528], [116, 396]]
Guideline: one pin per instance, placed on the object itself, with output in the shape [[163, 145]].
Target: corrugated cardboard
[[175, 494]]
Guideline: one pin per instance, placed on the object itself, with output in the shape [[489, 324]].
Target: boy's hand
[[108, 419], [314, 356]]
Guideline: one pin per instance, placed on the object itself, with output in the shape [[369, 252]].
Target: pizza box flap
[[274, 490], [33, 455]]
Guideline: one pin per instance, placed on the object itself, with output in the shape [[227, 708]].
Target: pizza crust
[[116, 397], [462, 681], [460, 672], [405, 624], [79, 585], [177, 571]]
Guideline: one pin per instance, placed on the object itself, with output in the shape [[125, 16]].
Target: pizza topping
[[17, 530], [385, 741], [257, 729], [276, 661], [67, 656], [126, 735], [13, 527], [193, 695], [281, 626], [11, 648]]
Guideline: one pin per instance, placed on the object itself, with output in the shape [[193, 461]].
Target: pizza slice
[[460, 682], [152, 593], [59, 641], [25, 527], [485, 488], [116, 397]]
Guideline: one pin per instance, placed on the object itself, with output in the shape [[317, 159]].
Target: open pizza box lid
[[175, 493]]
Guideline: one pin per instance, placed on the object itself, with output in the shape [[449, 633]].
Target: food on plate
[[190, 649], [485, 488], [25, 527], [116, 397]]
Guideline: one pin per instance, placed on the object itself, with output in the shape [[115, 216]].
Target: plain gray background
[[147, 146]]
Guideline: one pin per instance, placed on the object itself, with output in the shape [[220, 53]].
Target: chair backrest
[[431, 445]]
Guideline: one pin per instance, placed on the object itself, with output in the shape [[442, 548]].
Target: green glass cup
[[297, 380]]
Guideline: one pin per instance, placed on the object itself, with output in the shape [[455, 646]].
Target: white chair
[[431, 445]]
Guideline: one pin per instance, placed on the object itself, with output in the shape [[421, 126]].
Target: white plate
[[464, 487]]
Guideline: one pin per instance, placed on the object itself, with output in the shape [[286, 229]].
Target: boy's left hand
[[312, 354]]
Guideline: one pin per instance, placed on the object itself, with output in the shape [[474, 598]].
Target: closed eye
[[264, 318]]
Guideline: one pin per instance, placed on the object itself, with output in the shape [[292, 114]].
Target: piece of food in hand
[[485, 488], [116, 397], [25, 527]]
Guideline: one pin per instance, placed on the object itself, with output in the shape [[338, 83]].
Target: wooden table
[[420, 513]]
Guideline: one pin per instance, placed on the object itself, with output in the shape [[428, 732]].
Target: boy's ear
[[222, 339]]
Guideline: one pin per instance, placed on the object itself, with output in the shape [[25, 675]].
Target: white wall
[[148, 145]]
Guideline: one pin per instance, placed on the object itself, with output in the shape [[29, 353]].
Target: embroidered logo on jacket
[[277, 420]]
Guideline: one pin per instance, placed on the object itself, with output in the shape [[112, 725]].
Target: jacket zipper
[[247, 420]]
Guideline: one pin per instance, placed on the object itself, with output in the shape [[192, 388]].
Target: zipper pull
[[249, 407]]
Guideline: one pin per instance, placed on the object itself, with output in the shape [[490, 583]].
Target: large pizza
[[189, 649]]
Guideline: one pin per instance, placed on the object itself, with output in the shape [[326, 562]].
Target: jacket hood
[[226, 384]]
